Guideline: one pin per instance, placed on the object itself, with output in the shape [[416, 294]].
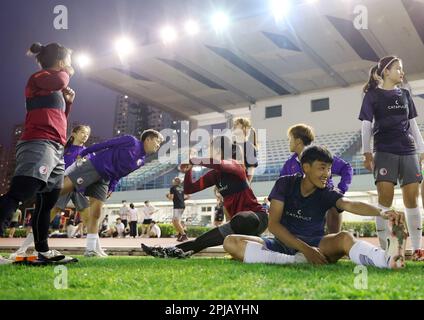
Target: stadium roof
[[317, 47]]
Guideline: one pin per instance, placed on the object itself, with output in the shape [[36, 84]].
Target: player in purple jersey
[[297, 216], [113, 159], [388, 115], [301, 136]]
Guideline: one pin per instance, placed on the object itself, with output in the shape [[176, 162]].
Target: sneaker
[[4, 261], [94, 253], [418, 255], [182, 238], [49, 256], [396, 243]]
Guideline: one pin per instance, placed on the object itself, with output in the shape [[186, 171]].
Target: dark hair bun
[[36, 48]]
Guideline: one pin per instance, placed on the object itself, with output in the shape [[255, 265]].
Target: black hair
[[316, 153], [75, 130], [132, 205], [47, 56], [150, 133]]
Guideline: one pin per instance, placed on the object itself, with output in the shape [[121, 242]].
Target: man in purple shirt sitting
[[301, 136], [109, 161]]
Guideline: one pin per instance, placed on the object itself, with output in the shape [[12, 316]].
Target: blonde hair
[[246, 124]]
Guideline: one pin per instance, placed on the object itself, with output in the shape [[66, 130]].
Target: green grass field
[[206, 278]]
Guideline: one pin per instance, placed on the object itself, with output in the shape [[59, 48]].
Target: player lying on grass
[[246, 215], [297, 218]]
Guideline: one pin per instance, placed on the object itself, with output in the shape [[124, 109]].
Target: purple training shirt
[[339, 167], [391, 111], [71, 154], [116, 158]]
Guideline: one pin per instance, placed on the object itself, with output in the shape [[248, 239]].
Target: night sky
[[93, 25]]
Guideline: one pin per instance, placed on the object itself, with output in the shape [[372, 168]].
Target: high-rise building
[[128, 117], [4, 162], [11, 155]]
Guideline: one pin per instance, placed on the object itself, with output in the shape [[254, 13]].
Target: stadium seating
[[271, 157], [276, 152]]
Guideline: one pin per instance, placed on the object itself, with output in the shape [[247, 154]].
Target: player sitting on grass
[[297, 218]]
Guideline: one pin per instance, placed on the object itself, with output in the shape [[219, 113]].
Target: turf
[[206, 278]]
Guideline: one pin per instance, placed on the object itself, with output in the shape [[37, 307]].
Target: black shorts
[[219, 217], [13, 224], [147, 221]]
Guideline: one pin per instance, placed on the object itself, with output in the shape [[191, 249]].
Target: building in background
[[11, 157], [133, 117], [4, 162]]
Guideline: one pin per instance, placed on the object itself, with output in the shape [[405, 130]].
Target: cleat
[[396, 243], [418, 255], [158, 252], [169, 252], [94, 253]]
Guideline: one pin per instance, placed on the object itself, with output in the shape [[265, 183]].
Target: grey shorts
[[392, 167], [178, 213], [86, 179], [79, 200], [43, 160]]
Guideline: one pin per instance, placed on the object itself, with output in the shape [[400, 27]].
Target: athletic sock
[[413, 218], [258, 253], [364, 253], [28, 242], [382, 227], [91, 241], [209, 239], [98, 246]]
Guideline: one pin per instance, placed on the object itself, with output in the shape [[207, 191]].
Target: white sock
[[91, 241], [28, 242], [98, 246], [364, 253], [382, 228], [413, 218], [258, 253]]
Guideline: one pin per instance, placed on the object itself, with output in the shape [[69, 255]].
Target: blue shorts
[[276, 245]]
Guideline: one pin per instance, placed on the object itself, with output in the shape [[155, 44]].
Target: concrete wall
[[345, 104]]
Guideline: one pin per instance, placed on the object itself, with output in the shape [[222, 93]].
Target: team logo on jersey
[[383, 171], [80, 180], [139, 162], [43, 169]]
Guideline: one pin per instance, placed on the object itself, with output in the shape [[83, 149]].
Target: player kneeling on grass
[[297, 218], [113, 159]]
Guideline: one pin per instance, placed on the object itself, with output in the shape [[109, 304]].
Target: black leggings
[[247, 223], [22, 189], [133, 228]]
